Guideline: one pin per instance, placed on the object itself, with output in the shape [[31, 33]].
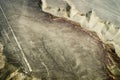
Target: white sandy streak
[[23, 54]]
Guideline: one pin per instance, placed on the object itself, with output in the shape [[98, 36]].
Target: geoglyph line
[[23, 54]]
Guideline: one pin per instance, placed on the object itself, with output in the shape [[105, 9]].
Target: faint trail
[[23, 54]]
